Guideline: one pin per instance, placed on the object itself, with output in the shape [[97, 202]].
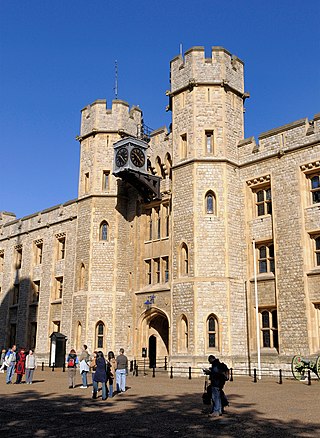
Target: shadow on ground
[[48, 415]]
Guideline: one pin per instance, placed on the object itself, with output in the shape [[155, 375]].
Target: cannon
[[300, 367]]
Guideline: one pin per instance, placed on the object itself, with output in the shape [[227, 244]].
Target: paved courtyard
[[158, 407]]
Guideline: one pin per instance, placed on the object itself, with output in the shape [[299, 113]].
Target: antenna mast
[[116, 80]]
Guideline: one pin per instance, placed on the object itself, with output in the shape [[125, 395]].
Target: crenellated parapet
[[281, 140], [97, 118], [221, 69]]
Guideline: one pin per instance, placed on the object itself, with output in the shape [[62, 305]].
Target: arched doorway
[[155, 336]]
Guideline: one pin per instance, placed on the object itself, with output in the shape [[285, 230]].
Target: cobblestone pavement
[[158, 407]]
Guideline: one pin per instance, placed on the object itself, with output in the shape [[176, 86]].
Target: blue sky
[[58, 56]]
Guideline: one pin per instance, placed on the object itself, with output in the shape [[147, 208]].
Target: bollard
[[131, 366], [189, 373], [42, 366], [171, 372], [254, 375], [165, 363], [231, 375], [280, 377], [53, 365], [154, 372], [64, 367], [309, 377], [137, 372]]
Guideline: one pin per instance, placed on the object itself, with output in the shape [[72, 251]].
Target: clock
[[137, 157], [122, 157]]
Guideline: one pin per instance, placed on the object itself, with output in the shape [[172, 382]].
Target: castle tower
[[207, 122], [103, 230]]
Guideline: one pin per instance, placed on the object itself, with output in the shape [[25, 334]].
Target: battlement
[[98, 118], [280, 140], [194, 68]]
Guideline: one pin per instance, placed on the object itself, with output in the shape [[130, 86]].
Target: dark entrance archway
[[152, 351]]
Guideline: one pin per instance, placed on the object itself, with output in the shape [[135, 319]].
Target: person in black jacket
[[101, 375], [217, 379]]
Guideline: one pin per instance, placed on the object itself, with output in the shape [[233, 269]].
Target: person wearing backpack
[[72, 362]]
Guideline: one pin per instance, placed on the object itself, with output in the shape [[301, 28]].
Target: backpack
[[71, 362]]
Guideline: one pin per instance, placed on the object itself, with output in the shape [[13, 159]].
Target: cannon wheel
[[297, 368], [318, 367]]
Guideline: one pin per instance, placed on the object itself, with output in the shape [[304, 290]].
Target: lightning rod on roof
[[116, 79], [181, 49]]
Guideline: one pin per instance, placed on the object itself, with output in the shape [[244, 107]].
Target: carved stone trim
[[17, 247], [38, 241], [259, 180], [309, 167], [60, 235]]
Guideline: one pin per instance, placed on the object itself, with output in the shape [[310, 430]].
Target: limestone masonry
[[176, 275]]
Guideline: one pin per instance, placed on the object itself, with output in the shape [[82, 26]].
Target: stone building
[[177, 274]]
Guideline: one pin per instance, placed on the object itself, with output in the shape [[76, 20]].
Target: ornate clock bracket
[[147, 185]]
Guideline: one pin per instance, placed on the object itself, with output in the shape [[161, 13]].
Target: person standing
[[101, 375], [2, 363], [217, 379], [20, 365], [84, 366], [72, 362], [10, 362], [31, 365], [121, 371], [113, 365]]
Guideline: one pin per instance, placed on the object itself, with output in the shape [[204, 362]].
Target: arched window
[[104, 230], [183, 334], [184, 260], [78, 336], [212, 332], [82, 276], [210, 203], [100, 333]]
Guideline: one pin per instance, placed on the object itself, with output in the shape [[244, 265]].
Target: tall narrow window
[[105, 180], [167, 213], [100, 334], [158, 270], [263, 202], [1, 261], [58, 288], [86, 182], [184, 265], [266, 258], [210, 203], [16, 293], [82, 276], [13, 332], [269, 328], [317, 250], [104, 231], [38, 248], [78, 336], [148, 271], [36, 291], [166, 269], [149, 224], [183, 146], [212, 332], [18, 257], [209, 142], [61, 247], [158, 223], [183, 334], [315, 189], [33, 335]]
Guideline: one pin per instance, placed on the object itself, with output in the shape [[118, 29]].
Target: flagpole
[[257, 306]]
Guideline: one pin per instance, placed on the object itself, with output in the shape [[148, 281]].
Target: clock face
[[137, 157], [121, 157]]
